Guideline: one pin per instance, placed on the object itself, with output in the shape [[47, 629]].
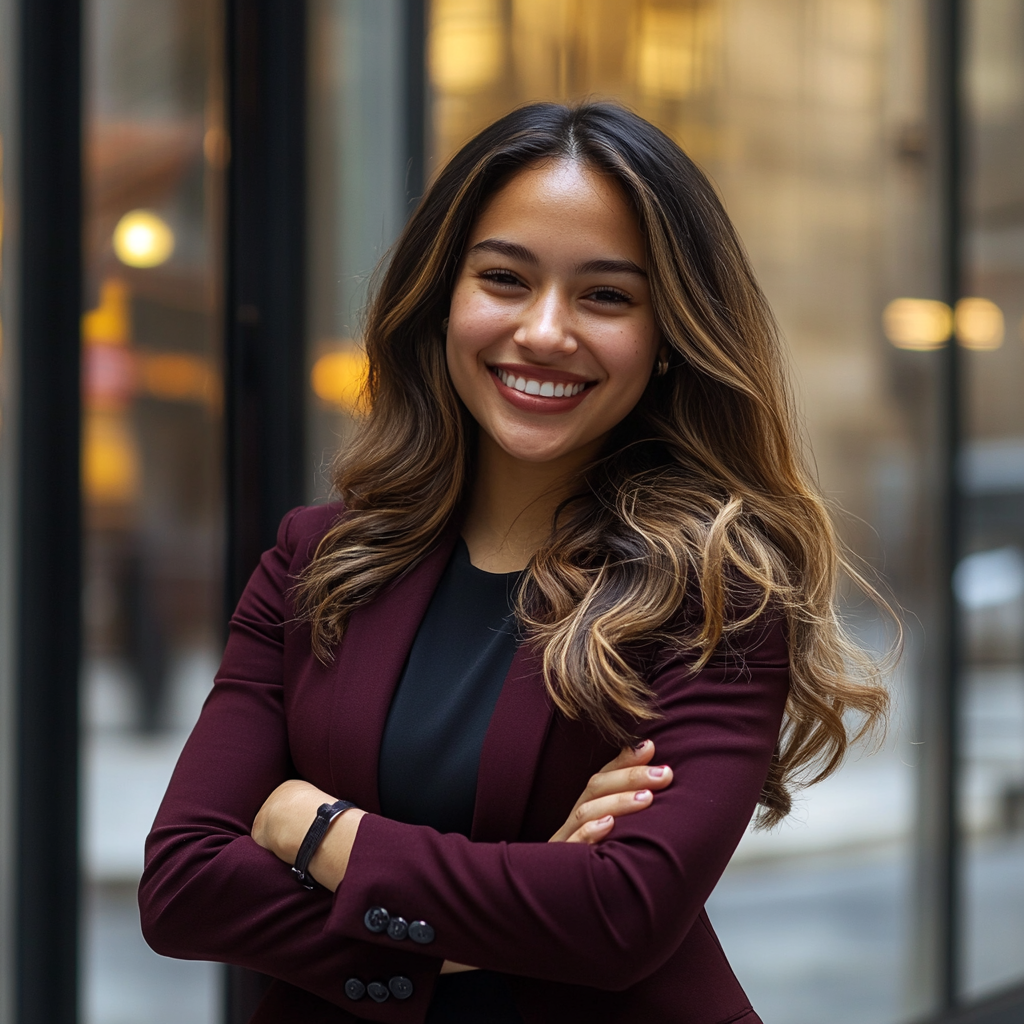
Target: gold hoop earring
[[662, 367]]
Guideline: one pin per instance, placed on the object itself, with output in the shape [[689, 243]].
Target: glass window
[[989, 579], [357, 200], [154, 152]]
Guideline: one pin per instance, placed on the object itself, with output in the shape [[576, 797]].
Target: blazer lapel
[[512, 748], [369, 662]]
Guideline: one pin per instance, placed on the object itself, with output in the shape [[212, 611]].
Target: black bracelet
[[314, 837]]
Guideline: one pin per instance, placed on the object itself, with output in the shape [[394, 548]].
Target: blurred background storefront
[[195, 196]]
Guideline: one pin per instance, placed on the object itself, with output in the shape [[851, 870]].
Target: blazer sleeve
[[209, 892], [608, 915]]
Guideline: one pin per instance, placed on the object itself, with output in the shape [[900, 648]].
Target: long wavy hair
[[700, 500]]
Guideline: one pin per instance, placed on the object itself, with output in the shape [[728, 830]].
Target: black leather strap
[[314, 837]]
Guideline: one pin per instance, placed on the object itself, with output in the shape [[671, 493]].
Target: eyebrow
[[610, 266], [515, 251]]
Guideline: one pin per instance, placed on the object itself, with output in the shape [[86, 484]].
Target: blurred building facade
[[245, 165]]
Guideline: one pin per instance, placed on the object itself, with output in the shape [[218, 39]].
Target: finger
[[593, 831], [618, 805], [627, 780], [630, 756]]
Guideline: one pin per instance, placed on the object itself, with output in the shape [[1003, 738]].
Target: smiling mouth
[[542, 388]]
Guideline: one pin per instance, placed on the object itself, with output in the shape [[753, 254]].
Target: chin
[[539, 452]]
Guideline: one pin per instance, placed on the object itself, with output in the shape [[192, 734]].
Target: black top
[[430, 751]]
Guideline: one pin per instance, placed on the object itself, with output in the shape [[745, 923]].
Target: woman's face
[[551, 333]]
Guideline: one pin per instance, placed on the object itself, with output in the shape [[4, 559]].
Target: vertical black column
[[265, 291], [49, 531], [415, 99], [949, 45], [264, 302]]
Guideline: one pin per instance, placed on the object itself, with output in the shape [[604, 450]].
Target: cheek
[[477, 319], [629, 358]]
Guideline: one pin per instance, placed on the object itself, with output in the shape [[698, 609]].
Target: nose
[[545, 329]]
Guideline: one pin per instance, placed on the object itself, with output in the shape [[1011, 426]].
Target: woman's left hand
[[623, 786], [284, 819]]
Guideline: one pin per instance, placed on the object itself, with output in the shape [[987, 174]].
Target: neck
[[512, 503]]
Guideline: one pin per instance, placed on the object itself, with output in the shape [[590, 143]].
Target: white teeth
[[547, 389]]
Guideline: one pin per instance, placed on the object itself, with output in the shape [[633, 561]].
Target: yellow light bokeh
[[675, 50], [979, 324], [179, 377], [142, 239], [110, 460], [918, 324], [109, 323], [465, 44], [338, 378]]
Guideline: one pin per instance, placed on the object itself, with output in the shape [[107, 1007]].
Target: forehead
[[562, 201]]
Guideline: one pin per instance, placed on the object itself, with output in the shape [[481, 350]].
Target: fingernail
[[641, 795], [656, 773], [640, 746], [606, 820]]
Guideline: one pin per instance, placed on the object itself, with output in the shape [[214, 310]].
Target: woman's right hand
[[623, 786]]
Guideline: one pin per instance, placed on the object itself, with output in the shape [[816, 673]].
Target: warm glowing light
[[142, 239], [217, 148], [979, 324], [179, 377], [917, 324], [109, 323], [465, 44], [109, 370], [110, 460], [676, 47], [338, 378]]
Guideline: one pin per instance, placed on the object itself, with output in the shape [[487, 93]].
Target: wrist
[[293, 819], [330, 862]]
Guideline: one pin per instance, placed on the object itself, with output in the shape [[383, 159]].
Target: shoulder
[[758, 642], [303, 528]]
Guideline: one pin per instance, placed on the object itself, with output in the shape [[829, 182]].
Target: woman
[[575, 517]]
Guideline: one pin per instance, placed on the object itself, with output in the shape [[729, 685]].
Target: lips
[[537, 390], [532, 386]]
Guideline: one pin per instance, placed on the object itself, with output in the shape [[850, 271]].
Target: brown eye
[[609, 295], [502, 278]]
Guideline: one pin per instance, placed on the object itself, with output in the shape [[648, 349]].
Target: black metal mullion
[[48, 631], [415, 99], [265, 300], [265, 303]]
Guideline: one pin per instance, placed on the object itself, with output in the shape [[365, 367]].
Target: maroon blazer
[[608, 933]]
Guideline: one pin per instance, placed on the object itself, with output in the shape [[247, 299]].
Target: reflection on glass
[[989, 580], [357, 199], [151, 465], [811, 118]]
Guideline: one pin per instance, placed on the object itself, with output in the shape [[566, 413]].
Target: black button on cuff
[[355, 989], [421, 932], [401, 988], [377, 991], [376, 919], [398, 929]]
